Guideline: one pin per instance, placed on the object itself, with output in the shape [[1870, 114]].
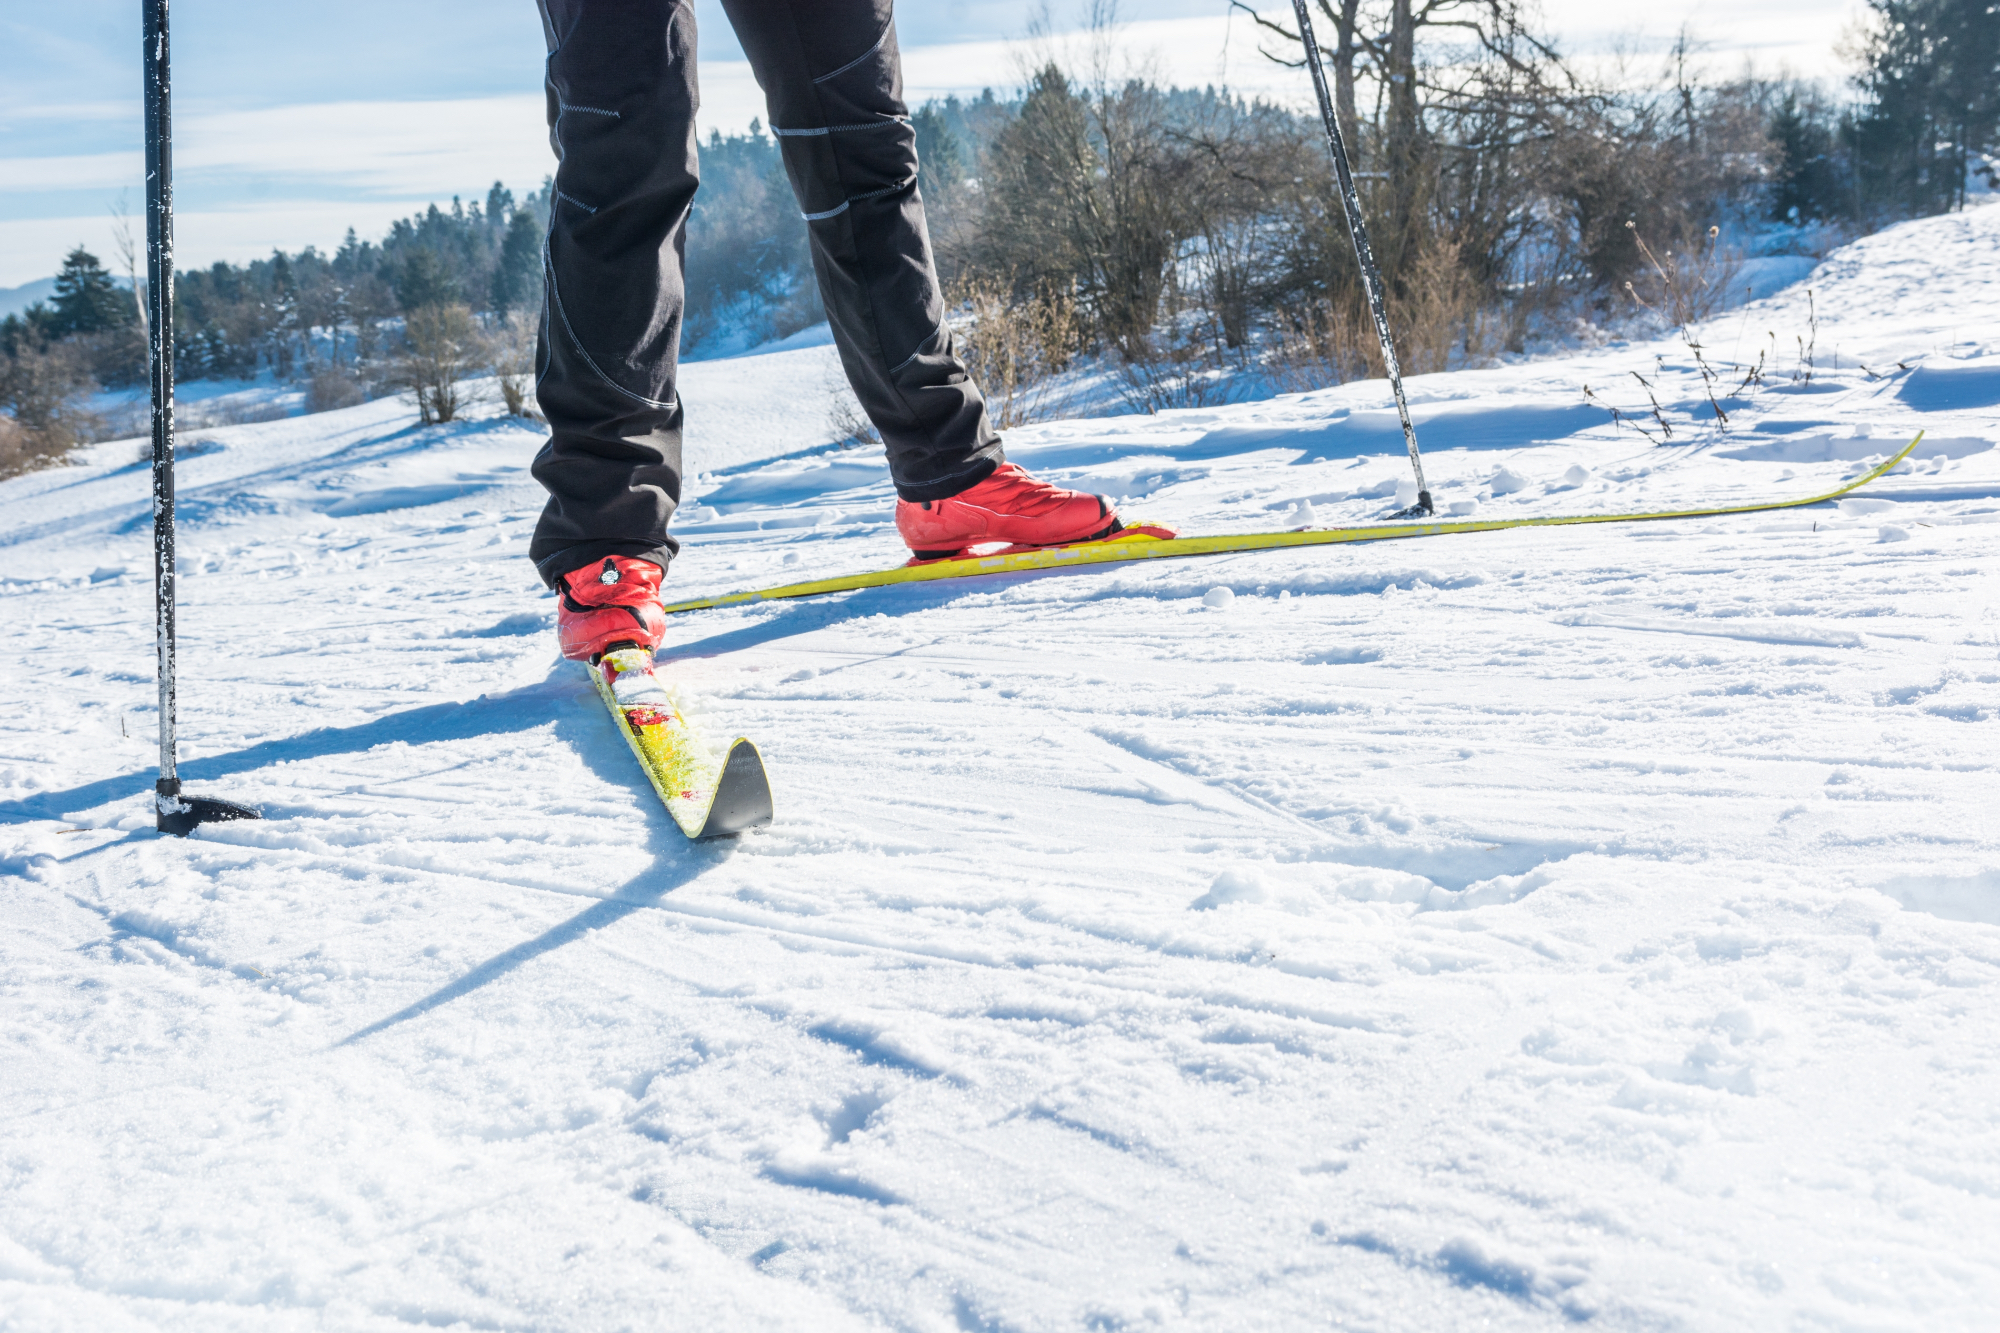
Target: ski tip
[[742, 795]]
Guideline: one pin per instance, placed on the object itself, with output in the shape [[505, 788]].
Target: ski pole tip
[[177, 815]]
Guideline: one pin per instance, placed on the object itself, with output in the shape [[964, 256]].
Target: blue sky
[[296, 120]]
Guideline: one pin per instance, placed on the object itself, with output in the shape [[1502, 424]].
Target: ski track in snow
[[1581, 924]]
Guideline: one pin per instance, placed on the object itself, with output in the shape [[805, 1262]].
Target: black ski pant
[[622, 98]]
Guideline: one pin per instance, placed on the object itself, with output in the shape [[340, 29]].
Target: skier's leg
[[621, 103], [833, 83]]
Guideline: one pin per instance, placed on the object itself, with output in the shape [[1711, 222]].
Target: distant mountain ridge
[[13, 300]]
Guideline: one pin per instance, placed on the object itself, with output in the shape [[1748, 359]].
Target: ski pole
[[174, 813], [1371, 277]]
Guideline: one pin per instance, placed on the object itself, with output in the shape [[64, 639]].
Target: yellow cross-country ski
[[1139, 544], [707, 798]]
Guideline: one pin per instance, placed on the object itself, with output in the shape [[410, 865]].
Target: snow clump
[[1889, 532], [1857, 507], [1506, 481], [1463, 507], [1231, 886], [1218, 597], [1406, 492], [1577, 475]]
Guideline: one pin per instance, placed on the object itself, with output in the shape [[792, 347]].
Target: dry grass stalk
[[1685, 288], [1017, 348], [1313, 347], [1441, 311]]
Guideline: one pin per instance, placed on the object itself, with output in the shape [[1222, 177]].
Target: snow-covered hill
[[1503, 931]]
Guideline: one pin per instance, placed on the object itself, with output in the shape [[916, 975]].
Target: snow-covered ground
[[1503, 931]]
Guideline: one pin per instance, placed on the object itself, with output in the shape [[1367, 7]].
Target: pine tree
[[1806, 184], [941, 160], [87, 298], [517, 277], [499, 204], [1933, 88], [424, 279]]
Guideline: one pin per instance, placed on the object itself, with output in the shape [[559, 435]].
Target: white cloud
[[83, 171]]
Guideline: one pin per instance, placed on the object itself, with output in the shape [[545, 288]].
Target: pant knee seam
[[845, 204], [887, 28], [839, 129]]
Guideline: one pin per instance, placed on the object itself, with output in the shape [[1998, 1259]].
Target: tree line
[[1180, 236], [1189, 236]]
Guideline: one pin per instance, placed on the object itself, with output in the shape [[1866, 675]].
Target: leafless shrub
[[228, 412], [850, 425], [44, 390], [1016, 348], [1175, 367], [185, 446], [18, 452], [1442, 313], [510, 355], [332, 387], [1313, 346], [122, 421], [441, 346]]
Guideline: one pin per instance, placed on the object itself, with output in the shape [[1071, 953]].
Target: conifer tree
[[517, 277], [87, 298], [1933, 87]]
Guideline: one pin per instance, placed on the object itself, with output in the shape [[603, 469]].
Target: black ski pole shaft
[[172, 812], [160, 339], [1371, 277]]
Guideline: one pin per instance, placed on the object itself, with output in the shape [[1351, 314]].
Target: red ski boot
[[1009, 506], [616, 600]]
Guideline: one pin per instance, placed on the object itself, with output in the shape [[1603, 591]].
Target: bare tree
[[441, 347], [44, 389], [127, 246], [510, 355]]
